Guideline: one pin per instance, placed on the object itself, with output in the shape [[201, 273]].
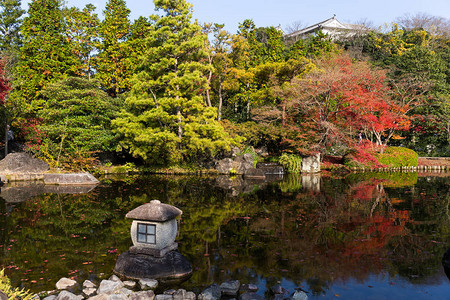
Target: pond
[[365, 236]]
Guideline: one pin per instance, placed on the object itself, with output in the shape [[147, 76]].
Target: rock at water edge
[[143, 295], [163, 297], [230, 288], [88, 284], [66, 284], [251, 296], [109, 287], [210, 293], [66, 295], [148, 284], [299, 295]]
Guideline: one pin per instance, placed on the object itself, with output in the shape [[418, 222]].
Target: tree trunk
[[89, 67], [208, 79], [180, 128], [208, 87], [219, 108]]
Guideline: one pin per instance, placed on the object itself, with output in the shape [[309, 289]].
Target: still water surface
[[371, 236]]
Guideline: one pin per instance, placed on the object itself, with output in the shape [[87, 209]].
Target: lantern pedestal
[[172, 266], [153, 252]]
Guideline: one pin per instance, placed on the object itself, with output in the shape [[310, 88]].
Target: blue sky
[[286, 12]]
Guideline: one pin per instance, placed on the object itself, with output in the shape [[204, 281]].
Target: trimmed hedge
[[395, 157]]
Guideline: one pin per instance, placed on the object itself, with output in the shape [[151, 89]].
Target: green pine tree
[[167, 120], [46, 55], [113, 64]]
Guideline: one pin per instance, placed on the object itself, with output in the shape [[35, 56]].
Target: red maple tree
[[339, 100]]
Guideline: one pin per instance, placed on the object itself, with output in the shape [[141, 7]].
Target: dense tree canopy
[[188, 87]]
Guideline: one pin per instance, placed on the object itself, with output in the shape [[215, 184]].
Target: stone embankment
[[144, 289], [405, 169], [426, 164]]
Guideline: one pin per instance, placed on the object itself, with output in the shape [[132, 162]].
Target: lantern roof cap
[[154, 211]]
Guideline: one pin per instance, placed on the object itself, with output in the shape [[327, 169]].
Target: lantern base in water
[[172, 266]]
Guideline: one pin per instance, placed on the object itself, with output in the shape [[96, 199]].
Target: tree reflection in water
[[391, 226]]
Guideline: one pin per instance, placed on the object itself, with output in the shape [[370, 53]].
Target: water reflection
[[446, 263], [328, 236], [16, 192]]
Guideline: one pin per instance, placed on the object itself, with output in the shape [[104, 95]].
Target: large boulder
[[246, 162], [227, 166], [22, 162], [237, 166], [311, 164]]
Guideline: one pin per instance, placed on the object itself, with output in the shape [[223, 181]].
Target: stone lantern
[[153, 254], [154, 228]]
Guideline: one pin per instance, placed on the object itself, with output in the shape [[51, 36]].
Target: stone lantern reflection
[[153, 254]]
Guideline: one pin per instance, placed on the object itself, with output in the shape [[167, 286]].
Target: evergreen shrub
[[292, 163], [395, 157]]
